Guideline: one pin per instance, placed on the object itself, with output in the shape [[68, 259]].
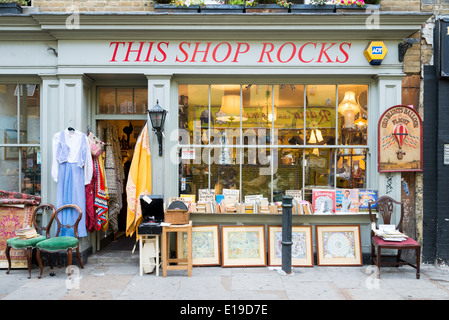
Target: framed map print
[[243, 246], [205, 245], [302, 247], [338, 245]]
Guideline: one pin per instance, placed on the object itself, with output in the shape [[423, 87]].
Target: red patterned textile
[[13, 218], [10, 197]]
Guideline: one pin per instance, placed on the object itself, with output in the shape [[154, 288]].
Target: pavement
[[115, 276]]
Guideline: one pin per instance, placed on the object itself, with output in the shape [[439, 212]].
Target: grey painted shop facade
[[162, 52]]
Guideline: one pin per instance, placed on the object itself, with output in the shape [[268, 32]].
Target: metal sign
[[400, 140]]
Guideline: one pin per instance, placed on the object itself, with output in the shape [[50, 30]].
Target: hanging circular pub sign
[[400, 140]]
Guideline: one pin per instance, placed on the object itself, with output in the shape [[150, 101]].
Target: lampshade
[[230, 105], [361, 122], [349, 107], [315, 136], [349, 103]]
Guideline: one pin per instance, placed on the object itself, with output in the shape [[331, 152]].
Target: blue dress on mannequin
[[71, 170]]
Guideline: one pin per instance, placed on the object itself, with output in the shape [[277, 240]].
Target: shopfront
[[258, 106]]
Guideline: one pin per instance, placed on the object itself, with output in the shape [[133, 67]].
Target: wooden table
[[166, 245]]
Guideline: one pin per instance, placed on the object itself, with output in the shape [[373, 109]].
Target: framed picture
[[205, 245], [243, 246], [302, 247], [338, 245]]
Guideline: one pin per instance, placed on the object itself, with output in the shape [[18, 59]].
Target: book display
[[324, 202]]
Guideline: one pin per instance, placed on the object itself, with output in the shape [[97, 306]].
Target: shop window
[[123, 101], [20, 165], [266, 139]]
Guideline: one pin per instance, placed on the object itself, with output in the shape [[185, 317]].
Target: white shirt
[[73, 141]]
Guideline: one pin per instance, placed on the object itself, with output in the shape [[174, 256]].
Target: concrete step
[[114, 256]]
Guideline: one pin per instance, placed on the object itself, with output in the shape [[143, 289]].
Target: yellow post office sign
[[375, 52]]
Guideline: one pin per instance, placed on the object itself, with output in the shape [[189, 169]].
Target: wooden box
[[177, 216]]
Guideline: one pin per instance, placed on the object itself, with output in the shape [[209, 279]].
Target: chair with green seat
[[61, 243], [18, 243]]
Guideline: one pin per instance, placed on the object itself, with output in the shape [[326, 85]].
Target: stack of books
[[278, 207], [201, 207], [249, 207], [390, 235], [230, 208], [26, 233], [264, 208]]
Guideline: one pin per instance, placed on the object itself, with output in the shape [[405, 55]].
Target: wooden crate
[[177, 216]]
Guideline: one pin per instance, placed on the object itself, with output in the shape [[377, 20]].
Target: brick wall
[[93, 5], [395, 5], [439, 7]]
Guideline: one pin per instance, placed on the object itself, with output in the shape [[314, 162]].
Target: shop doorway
[[120, 137]]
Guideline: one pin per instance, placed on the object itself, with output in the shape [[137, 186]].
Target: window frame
[[334, 147], [19, 145]]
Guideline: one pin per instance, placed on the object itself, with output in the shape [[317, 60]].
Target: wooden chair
[[61, 243], [385, 206], [18, 243]]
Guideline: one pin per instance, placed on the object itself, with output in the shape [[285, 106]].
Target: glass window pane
[[193, 173], [8, 113], [257, 111], [29, 113], [320, 114], [289, 114], [257, 168], [351, 168], [141, 101], [289, 173], [353, 114], [31, 171], [318, 170], [107, 100], [125, 101], [225, 109], [9, 169], [225, 177], [194, 114]]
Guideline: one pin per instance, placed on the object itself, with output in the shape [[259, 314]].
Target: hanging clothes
[[114, 175], [101, 195], [96, 195], [72, 169], [139, 181], [91, 217]]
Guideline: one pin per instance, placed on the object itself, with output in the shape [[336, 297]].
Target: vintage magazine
[[365, 195], [323, 201], [347, 201]]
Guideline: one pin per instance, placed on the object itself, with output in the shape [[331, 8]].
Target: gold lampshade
[[230, 105], [361, 122]]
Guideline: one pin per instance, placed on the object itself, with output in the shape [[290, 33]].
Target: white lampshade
[[230, 105], [349, 107]]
